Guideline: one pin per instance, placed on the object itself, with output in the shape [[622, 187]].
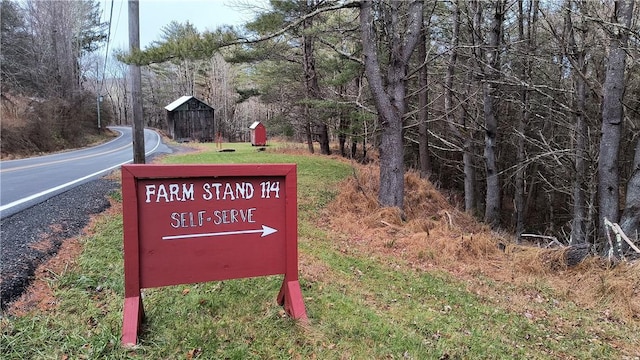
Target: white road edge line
[[48, 191]]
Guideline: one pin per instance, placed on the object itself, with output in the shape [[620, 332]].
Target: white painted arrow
[[265, 231]]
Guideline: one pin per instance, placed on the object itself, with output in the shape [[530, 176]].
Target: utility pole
[[136, 84], [98, 101], [98, 96]]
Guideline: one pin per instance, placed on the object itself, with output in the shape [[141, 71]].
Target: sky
[[155, 14]]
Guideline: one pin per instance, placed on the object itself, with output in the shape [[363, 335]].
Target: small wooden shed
[[258, 134], [190, 119]]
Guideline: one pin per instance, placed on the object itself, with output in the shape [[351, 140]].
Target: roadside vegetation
[[32, 126], [49, 90], [431, 284]]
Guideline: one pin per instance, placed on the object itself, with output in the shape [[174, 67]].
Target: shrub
[[50, 125]]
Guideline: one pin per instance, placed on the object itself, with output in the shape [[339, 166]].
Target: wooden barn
[[190, 119]]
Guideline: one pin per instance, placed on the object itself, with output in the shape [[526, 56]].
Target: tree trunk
[[323, 138], [307, 131], [492, 199], [528, 44], [389, 95], [469, 176], [311, 82], [344, 123], [342, 135], [465, 137], [423, 112], [630, 220], [612, 113], [578, 228], [490, 72]]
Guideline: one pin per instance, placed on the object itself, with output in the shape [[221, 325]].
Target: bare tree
[[15, 42], [217, 86], [458, 124], [577, 55], [487, 55], [62, 31], [527, 41], [117, 90], [612, 112], [423, 103], [630, 219], [312, 86]]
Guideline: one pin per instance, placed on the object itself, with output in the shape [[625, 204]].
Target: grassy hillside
[[435, 285]]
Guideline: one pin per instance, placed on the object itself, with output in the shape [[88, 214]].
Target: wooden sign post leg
[[133, 312], [290, 297], [133, 315]]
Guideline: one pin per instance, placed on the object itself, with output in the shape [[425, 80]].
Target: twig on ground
[[449, 217], [553, 239]]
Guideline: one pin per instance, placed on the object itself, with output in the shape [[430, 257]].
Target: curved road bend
[[26, 182]]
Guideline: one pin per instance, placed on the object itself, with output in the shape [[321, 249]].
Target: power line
[[115, 30], [104, 68], [106, 54]]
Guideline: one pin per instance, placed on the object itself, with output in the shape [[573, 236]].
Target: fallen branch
[[540, 236], [554, 242], [449, 217], [553, 239], [387, 224], [615, 227]]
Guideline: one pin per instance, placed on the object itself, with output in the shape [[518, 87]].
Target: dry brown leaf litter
[[434, 234]]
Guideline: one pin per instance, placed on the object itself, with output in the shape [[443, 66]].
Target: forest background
[[527, 112]]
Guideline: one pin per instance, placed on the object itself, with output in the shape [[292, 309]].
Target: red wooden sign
[[197, 223]]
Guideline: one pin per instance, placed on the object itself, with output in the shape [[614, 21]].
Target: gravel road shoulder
[[33, 235]]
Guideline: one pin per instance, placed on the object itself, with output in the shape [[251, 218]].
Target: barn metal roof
[[174, 105], [254, 125]]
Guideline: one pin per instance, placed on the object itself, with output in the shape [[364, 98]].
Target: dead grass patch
[[286, 147], [434, 234], [39, 297]]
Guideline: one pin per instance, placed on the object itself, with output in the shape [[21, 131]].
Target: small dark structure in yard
[[190, 119], [258, 134]]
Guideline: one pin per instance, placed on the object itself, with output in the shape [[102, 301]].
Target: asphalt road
[[26, 182], [46, 200]]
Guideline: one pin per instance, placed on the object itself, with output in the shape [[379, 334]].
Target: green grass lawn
[[359, 307]]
